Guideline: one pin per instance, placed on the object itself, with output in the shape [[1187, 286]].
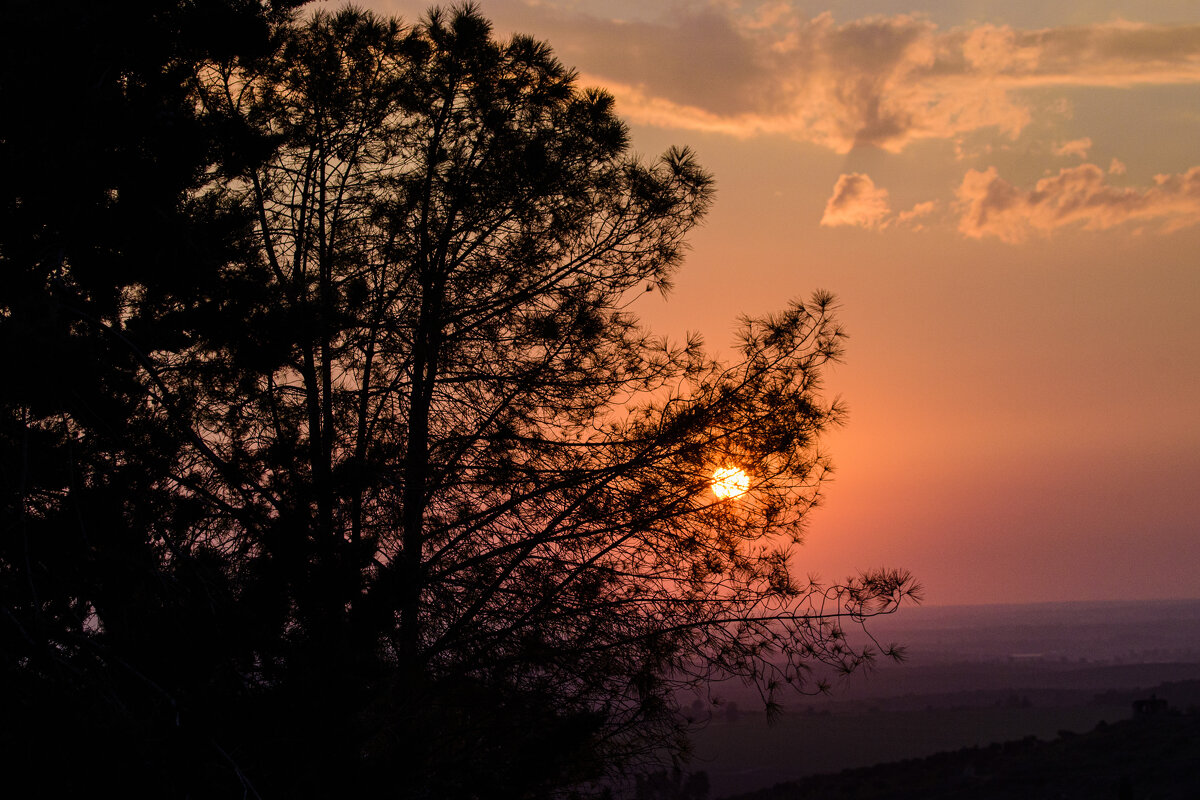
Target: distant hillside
[[975, 675], [1155, 756]]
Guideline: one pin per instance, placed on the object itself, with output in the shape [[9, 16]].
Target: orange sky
[[1005, 196]]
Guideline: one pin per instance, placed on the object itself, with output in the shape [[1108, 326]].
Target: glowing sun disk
[[730, 482]]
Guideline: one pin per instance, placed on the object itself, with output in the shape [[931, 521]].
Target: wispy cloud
[[1077, 148], [919, 211], [1079, 196], [885, 81], [746, 68]]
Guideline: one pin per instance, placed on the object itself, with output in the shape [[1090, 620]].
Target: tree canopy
[[346, 465]]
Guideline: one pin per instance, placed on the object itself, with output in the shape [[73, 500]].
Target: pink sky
[[1006, 199]]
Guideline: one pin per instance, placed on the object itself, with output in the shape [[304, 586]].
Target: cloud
[[916, 212], [746, 69], [993, 49], [663, 61], [1079, 196], [872, 81], [856, 201], [1076, 147]]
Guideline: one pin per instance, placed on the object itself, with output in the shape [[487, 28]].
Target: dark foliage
[[672, 785], [103, 152], [334, 462]]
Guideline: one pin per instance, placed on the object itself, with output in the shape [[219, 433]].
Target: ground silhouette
[[1146, 756]]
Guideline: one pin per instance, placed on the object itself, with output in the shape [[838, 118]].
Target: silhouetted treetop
[[375, 472]]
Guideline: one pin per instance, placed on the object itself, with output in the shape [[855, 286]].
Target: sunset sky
[[1005, 196]]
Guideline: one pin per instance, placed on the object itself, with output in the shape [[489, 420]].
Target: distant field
[[748, 754]]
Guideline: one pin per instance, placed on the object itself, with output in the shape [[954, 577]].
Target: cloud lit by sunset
[[856, 201], [1077, 196], [884, 81]]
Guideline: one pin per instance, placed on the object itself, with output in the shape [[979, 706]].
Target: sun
[[730, 482]]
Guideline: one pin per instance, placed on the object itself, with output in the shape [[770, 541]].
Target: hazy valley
[[975, 675]]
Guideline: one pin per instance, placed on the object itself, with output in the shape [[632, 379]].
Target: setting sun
[[730, 482]]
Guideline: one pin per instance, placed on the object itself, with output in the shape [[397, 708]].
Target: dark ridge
[[1154, 755]]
